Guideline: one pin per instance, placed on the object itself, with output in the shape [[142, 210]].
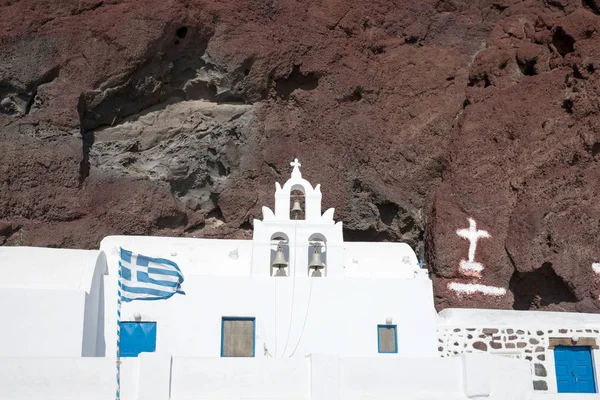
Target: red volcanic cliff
[[177, 117]]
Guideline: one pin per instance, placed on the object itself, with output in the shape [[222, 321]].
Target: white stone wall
[[528, 344]]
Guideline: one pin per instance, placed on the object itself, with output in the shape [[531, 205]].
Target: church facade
[[295, 312], [285, 311]]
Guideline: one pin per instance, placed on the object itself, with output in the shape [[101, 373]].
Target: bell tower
[[297, 239]]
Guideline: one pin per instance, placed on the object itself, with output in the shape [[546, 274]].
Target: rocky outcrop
[[175, 118]]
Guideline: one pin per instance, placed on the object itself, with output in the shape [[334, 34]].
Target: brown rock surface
[[176, 117]]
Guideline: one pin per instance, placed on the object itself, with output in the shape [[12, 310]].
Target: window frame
[[223, 320], [393, 326]]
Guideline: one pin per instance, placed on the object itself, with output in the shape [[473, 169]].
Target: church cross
[[296, 164]]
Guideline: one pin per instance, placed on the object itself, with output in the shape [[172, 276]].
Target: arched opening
[[280, 254], [297, 203], [317, 255]]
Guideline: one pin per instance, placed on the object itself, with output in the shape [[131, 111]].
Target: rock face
[[176, 117]]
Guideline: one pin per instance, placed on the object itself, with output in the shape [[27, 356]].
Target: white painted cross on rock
[[470, 267]]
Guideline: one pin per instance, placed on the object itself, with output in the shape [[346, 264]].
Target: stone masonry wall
[[520, 343]]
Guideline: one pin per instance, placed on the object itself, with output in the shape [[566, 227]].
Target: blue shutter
[[137, 337]]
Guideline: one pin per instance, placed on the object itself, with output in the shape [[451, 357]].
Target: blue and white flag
[[148, 278]]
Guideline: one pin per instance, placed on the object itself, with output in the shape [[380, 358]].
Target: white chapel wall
[[332, 315]]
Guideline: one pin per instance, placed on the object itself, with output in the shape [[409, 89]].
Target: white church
[[294, 313]]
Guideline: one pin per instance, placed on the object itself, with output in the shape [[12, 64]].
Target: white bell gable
[[298, 234]]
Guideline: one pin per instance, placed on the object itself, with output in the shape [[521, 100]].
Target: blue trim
[[223, 319], [395, 339]]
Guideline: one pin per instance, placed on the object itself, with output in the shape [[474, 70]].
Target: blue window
[[574, 369], [238, 336], [387, 339], [137, 337]]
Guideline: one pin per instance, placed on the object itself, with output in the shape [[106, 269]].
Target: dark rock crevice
[[539, 288], [296, 80], [479, 81], [91, 7], [527, 67], [562, 42], [592, 5]]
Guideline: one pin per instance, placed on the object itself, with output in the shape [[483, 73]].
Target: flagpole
[[118, 393]]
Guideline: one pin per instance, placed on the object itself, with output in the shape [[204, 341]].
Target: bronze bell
[[316, 262], [297, 208], [279, 262]]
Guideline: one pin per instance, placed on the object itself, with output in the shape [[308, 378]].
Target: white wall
[[50, 300], [461, 317], [194, 256], [66, 378], [378, 378], [382, 260], [93, 324], [318, 377], [330, 315], [44, 268], [216, 257], [202, 378], [41, 322], [334, 315], [466, 376]]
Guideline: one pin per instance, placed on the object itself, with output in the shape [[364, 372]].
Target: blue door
[[137, 337], [574, 370]]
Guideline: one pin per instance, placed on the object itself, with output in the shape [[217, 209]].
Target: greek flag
[[147, 278]]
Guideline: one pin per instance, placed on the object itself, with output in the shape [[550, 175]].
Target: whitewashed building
[[294, 313]]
